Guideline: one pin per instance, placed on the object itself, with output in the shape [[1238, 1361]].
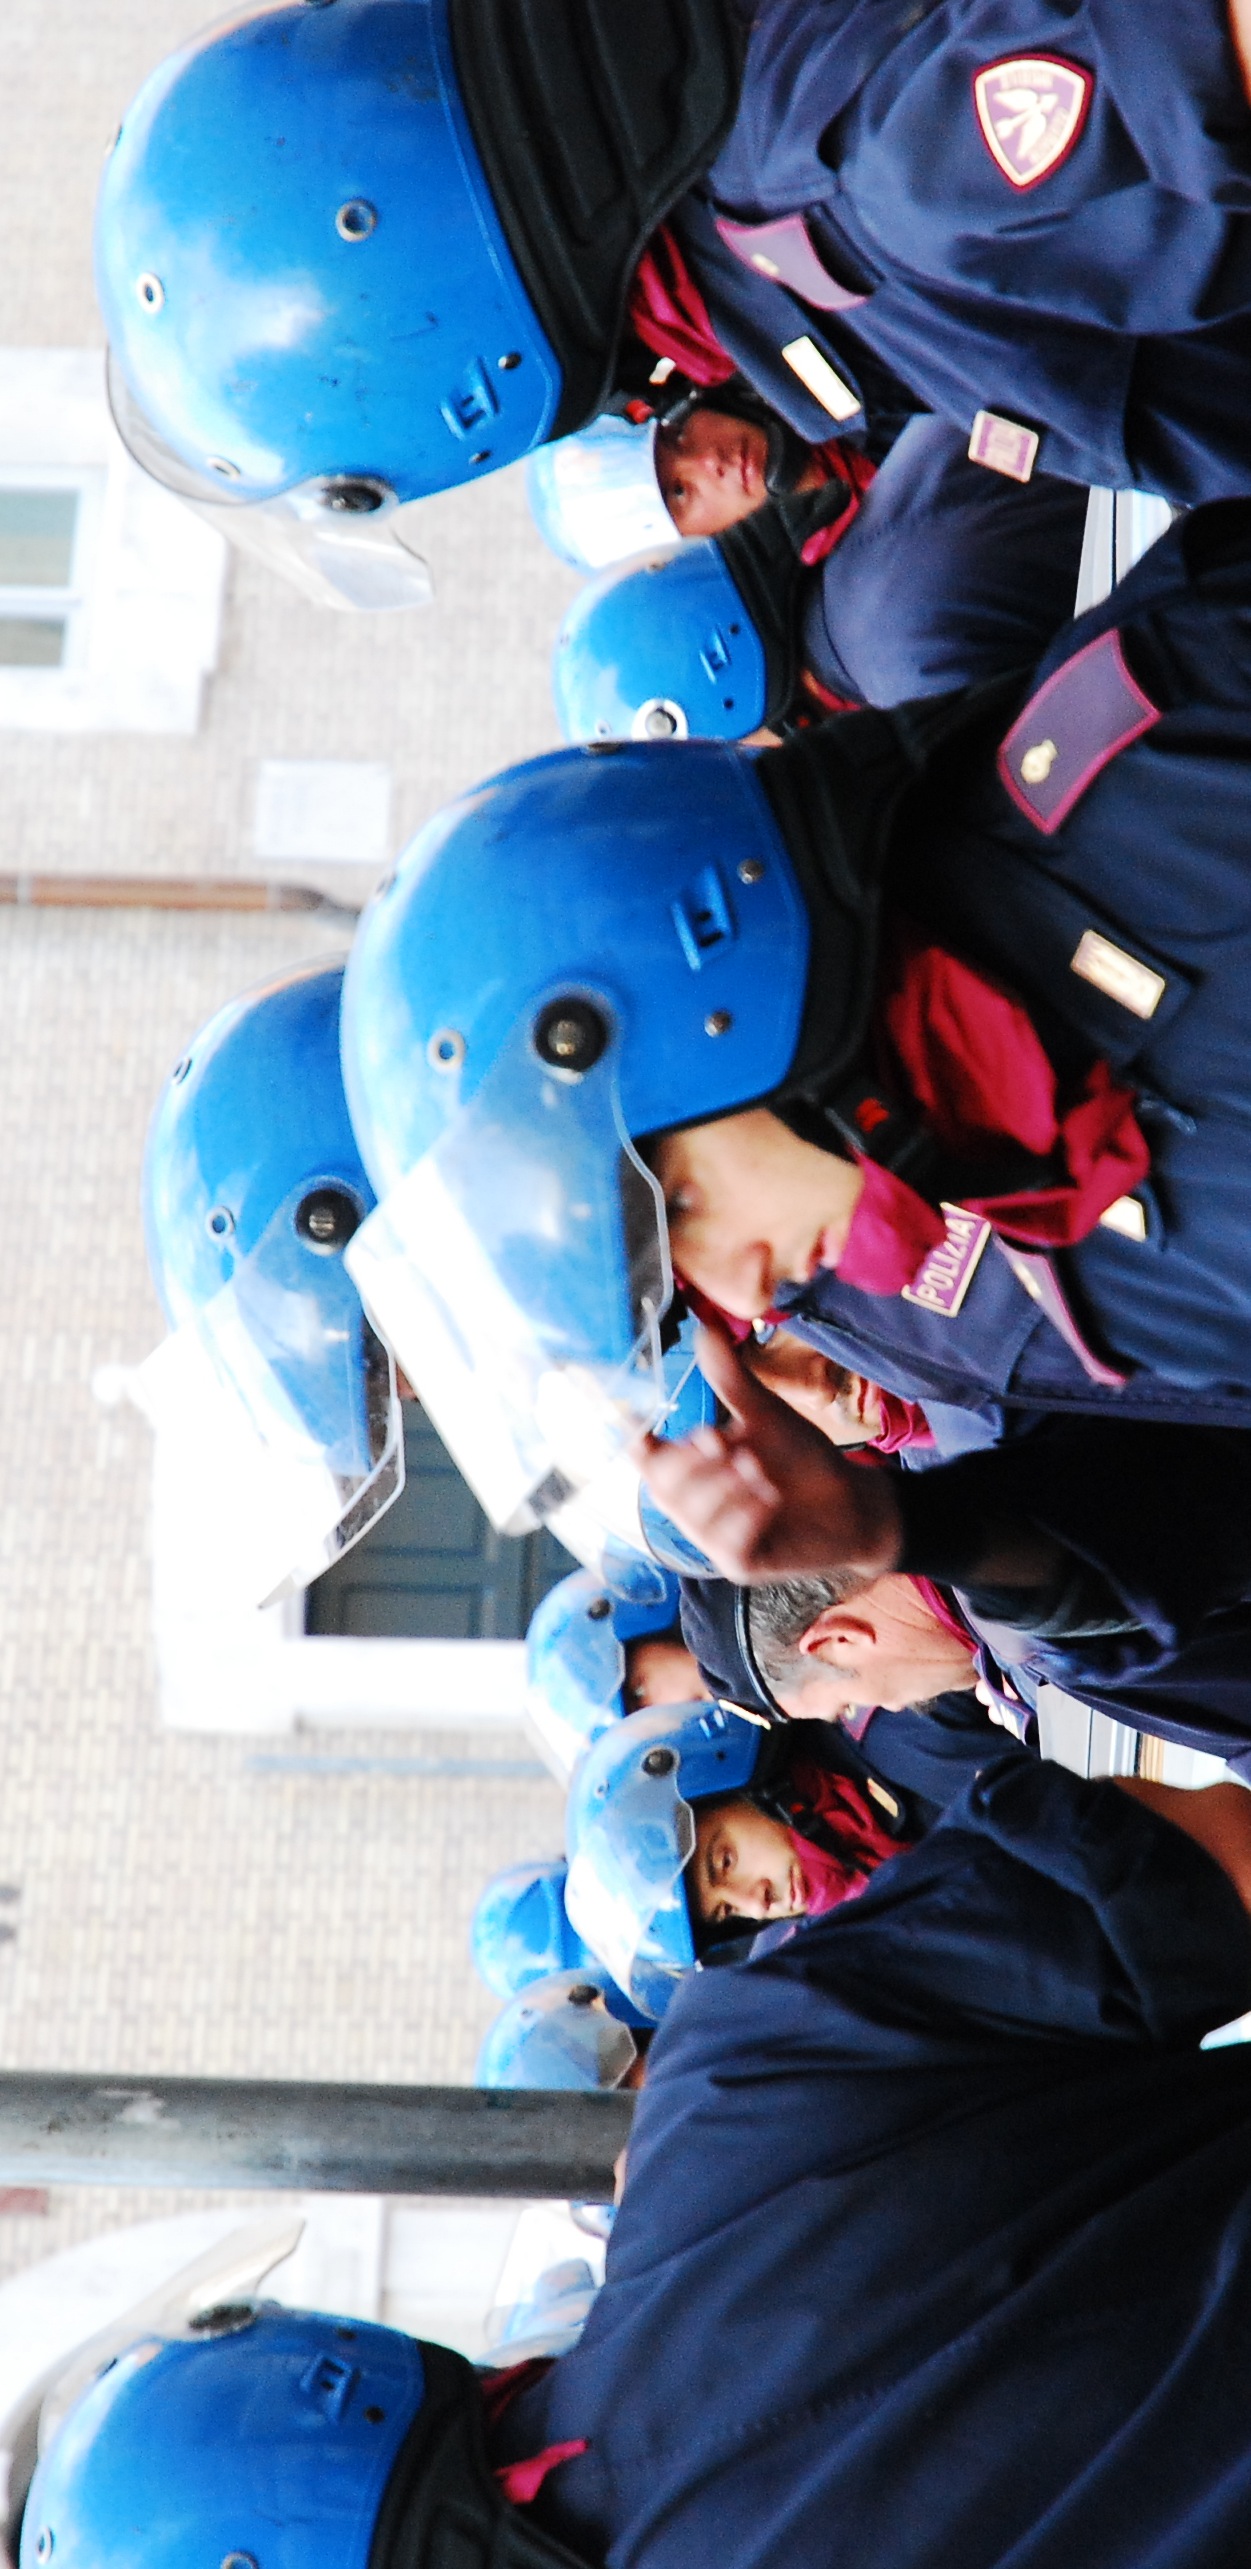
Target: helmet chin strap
[[443, 2508]]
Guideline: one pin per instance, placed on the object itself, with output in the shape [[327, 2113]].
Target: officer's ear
[[838, 1635]]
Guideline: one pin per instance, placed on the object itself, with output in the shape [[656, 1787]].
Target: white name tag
[[1118, 975], [818, 377]]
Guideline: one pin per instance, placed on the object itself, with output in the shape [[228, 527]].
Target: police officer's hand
[[766, 1496]]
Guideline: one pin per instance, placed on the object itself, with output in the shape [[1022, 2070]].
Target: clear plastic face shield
[[344, 543], [595, 497], [559, 2034], [316, 1425], [521, 1271], [625, 1892], [224, 2277]]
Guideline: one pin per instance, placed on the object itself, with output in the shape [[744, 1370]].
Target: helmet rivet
[[446, 1048], [239, 2560], [509, 361], [660, 1761], [599, 1608], [570, 1035], [327, 1218], [374, 2415], [224, 2319], [356, 220], [45, 2542], [220, 1222], [150, 291], [583, 1994], [751, 870], [221, 464], [719, 1023], [483, 456]]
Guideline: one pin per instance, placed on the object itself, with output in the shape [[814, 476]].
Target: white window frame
[[70, 605]]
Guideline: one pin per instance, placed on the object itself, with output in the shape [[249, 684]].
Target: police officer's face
[[751, 1207], [886, 1646], [711, 471], [744, 1866], [845, 1406], [660, 1670]]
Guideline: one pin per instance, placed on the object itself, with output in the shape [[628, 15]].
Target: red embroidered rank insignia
[[1031, 110]]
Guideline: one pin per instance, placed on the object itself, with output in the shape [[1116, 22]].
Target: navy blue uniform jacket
[[935, 2251], [1154, 857], [946, 575], [1100, 295]]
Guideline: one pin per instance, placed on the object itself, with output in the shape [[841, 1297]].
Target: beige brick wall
[[178, 1910]]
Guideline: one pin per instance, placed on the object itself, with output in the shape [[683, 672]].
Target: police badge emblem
[[1031, 110]]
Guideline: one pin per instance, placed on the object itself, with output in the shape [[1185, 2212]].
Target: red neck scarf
[[668, 313], [849, 1817], [977, 1068]]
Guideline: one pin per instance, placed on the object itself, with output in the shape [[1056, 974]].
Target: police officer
[[941, 575], [691, 1826], [253, 1186], [572, 2030], [521, 1931], [935, 2227], [1129, 1589], [796, 973], [349, 256], [593, 1655], [622, 485]]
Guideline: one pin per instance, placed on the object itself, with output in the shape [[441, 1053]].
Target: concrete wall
[[179, 1908]]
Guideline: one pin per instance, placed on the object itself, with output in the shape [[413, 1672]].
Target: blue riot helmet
[[575, 2029], [371, 251], [661, 650], [630, 1832], [576, 1662], [253, 1186], [259, 2434], [595, 498], [521, 1930], [502, 1058]]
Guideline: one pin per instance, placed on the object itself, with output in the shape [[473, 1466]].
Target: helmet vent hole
[[350, 495], [570, 1035], [446, 1048], [222, 466], [220, 1222], [326, 1219], [356, 220], [599, 1608], [374, 2415], [583, 1994], [180, 1070], [660, 1761], [45, 2542], [150, 291], [510, 361]]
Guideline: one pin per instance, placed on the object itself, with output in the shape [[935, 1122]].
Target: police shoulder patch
[[1031, 109]]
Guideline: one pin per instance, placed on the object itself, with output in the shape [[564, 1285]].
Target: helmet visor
[[319, 1428], [521, 1271], [625, 1893], [341, 544], [558, 2034]]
